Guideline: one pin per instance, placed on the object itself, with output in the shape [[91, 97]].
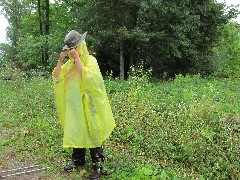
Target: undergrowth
[[185, 128]]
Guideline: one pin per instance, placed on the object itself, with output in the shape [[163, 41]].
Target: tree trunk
[[15, 39], [137, 63], [121, 60], [47, 34], [40, 27], [131, 66], [16, 27]]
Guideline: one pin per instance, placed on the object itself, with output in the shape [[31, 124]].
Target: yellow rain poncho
[[82, 103]]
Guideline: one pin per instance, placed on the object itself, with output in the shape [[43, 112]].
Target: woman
[[82, 103]]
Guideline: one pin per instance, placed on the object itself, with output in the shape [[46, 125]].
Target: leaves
[[170, 37], [227, 53], [165, 130]]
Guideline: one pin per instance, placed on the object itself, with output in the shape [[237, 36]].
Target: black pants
[[97, 155]]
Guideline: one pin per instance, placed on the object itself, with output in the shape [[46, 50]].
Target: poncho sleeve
[[91, 77], [60, 93]]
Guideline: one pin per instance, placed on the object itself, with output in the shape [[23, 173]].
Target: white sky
[[4, 23]]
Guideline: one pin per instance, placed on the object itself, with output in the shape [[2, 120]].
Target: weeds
[[186, 128]]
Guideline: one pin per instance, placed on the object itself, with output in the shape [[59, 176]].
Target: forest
[[171, 71], [168, 37]]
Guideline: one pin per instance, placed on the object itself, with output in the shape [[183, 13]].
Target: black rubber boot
[[78, 159], [96, 175], [97, 156], [78, 156], [69, 167]]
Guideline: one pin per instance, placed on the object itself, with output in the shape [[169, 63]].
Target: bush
[[185, 128]]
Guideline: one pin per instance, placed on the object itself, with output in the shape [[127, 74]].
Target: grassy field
[[186, 128]]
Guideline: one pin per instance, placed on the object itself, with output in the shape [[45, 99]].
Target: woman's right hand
[[62, 55]]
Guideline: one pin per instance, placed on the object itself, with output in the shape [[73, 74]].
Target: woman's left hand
[[76, 58], [74, 54]]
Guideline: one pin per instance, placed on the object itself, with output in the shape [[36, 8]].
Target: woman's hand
[[74, 54], [62, 55], [59, 64], [77, 60]]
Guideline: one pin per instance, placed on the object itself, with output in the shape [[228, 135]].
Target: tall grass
[[184, 128]]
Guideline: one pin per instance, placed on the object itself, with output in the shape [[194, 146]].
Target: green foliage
[[181, 129], [185, 121], [13, 11], [168, 36], [5, 54], [227, 54], [31, 44], [29, 51]]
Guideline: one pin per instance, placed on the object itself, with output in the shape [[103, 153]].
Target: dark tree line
[[167, 36]]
